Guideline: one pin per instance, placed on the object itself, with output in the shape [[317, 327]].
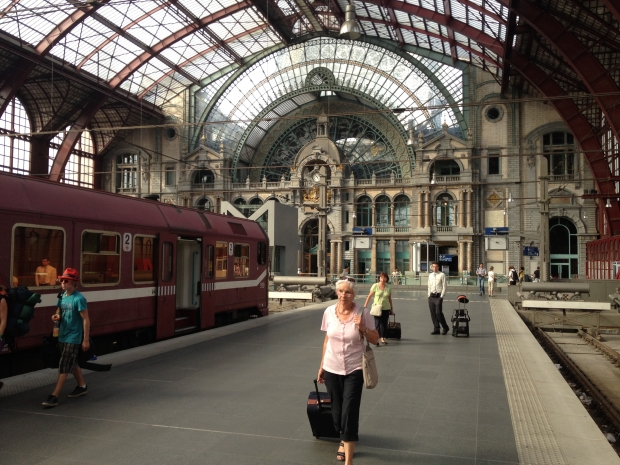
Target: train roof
[[51, 199]]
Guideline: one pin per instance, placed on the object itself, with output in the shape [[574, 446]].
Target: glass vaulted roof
[[291, 78], [156, 49]]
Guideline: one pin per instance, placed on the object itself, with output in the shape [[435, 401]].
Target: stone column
[[392, 216], [470, 218], [461, 257], [373, 256], [333, 266], [421, 210], [373, 216], [429, 218], [339, 267], [470, 257], [392, 256], [462, 209]]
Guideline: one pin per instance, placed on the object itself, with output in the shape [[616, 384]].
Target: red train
[[142, 264]]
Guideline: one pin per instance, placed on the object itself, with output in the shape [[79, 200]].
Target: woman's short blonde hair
[[348, 281]]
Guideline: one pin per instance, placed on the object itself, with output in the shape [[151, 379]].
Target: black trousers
[[381, 323], [435, 305], [345, 392]]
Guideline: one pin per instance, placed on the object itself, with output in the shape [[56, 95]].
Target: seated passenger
[[45, 275], [4, 311]]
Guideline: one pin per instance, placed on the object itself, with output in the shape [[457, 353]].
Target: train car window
[[261, 253], [38, 255], [221, 260], [166, 261], [101, 259], [209, 256], [242, 260], [144, 248]]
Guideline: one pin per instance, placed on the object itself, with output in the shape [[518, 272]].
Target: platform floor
[[237, 395]]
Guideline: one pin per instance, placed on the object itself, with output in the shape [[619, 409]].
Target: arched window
[[204, 204], [79, 169], [15, 150], [443, 168], [563, 248], [445, 210], [364, 211], [558, 148], [127, 173], [204, 177], [401, 211], [242, 205], [255, 204], [383, 209]]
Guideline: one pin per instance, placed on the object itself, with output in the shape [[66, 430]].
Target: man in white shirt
[[436, 291]]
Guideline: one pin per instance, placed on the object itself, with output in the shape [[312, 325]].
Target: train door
[[188, 287], [166, 289]]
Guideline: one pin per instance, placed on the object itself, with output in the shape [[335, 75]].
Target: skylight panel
[[236, 24], [112, 58], [157, 26], [81, 41], [32, 20]]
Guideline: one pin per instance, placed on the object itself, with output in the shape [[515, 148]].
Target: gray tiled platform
[[240, 399]]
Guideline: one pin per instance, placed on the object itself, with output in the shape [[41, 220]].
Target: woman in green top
[[383, 297]]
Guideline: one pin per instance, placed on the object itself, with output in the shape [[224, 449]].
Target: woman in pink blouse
[[341, 363]]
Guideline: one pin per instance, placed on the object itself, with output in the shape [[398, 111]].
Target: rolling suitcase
[[460, 318], [320, 414], [393, 329]]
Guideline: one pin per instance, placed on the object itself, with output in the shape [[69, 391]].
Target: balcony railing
[[443, 228], [440, 179]]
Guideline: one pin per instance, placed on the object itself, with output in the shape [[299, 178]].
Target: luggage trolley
[[460, 318]]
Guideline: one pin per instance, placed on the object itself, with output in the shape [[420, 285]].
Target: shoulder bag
[[369, 366]]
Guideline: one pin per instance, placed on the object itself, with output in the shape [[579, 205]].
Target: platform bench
[[290, 295]]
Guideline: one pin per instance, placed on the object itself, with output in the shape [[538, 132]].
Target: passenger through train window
[[38, 256], [101, 259], [221, 259], [262, 253], [144, 248], [166, 261], [242, 260], [209, 262]]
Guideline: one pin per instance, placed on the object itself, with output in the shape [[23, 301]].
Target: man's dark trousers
[[436, 308]]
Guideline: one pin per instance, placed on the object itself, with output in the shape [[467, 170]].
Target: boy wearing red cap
[[72, 313]]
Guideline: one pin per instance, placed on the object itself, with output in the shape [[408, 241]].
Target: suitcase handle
[[394, 316], [318, 396]]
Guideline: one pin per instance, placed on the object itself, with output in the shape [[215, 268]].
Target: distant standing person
[[537, 275], [513, 277], [491, 281], [521, 274], [436, 291], [46, 274], [72, 313], [396, 277], [382, 296], [481, 272]]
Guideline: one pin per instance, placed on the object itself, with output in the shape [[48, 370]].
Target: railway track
[[598, 394]]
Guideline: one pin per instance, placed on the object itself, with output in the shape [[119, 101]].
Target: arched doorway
[[310, 247], [563, 248], [445, 210]]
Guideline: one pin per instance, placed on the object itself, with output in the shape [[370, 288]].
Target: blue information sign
[[445, 258], [530, 251]]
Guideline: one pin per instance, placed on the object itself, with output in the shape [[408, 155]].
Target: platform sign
[[445, 258], [530, 251], [231, 248]]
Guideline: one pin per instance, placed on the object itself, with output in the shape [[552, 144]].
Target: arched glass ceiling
[[368, 73]]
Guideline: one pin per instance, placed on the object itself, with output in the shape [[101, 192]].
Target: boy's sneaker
[[52, 401], [78, 391]]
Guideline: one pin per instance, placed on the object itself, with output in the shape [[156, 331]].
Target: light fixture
[[411, 140], [350, 29], [585, 216], [433, 178], [505, 211], [510, 199], [608, 204]]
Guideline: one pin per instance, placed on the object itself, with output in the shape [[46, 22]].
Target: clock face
[[316, 177]]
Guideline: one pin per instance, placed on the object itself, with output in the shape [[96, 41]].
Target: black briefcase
[[393, 329], [320, 414]]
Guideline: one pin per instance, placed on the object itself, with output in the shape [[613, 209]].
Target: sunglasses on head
[[65, 281], [347, 278]]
